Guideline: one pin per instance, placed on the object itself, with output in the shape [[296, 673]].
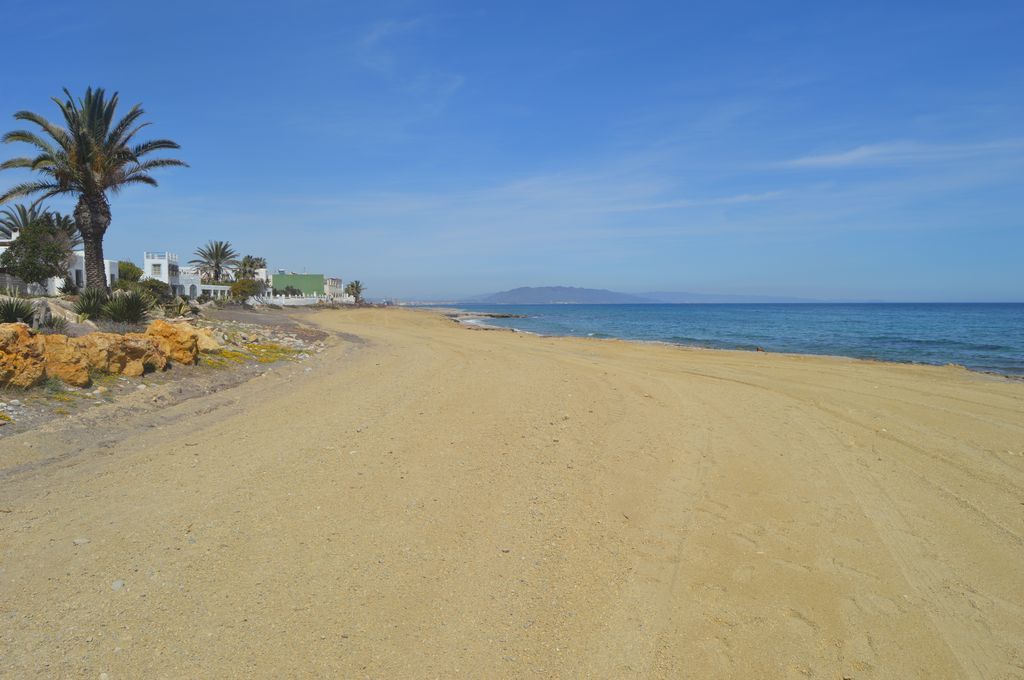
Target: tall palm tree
[[215, 259], [248, 266], [93, 154]]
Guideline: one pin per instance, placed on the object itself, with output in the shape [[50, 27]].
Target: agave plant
[[55, 325], [93, 154], [14, 310], [129, 307], [179, 306], [90, 303], [215, 260]]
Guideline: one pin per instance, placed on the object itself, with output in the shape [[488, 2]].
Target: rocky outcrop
[[21, 357], [179, 341], [28, 358]]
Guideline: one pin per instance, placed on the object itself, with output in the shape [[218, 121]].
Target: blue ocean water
[[983, 337]]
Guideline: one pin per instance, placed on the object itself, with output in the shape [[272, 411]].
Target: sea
[[978, 336]]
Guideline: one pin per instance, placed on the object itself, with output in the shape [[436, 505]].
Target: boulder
[[179, 341], [64, 360], [129, 354], [21, 357], [207, 340]]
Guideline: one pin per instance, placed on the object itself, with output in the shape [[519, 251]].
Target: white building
[[76, 272], [332, 288], [184, 281]]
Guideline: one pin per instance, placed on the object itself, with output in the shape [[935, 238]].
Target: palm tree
[[355, 289], [16, 219], [248, 266], [215, 259], [92, 155], [66, 225]]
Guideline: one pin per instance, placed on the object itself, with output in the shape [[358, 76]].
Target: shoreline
[[464, 318], [464, 322]]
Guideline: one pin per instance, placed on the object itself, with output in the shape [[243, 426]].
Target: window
[[78, 278], [156, 270]]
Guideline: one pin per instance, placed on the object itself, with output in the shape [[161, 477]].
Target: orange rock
[[130, 354], [64, 360], [27, 358], [179, 341], [21, 357]]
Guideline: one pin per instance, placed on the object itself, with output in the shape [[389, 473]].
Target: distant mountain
[[555, 295]]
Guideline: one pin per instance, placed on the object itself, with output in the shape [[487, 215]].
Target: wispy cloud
[[906, 152], [380, 49], [370, 48]]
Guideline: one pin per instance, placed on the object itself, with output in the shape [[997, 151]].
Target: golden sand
[[440, 502]]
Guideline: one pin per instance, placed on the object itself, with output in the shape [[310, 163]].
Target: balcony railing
[[170, 257]]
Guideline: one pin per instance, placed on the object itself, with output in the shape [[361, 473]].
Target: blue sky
[[827, 150]]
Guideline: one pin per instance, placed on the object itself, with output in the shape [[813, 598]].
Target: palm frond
[[154, 145], [59, 134], [28, 138], [17, 163], [26, 189]]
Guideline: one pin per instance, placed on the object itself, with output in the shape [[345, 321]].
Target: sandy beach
[[427, 500]]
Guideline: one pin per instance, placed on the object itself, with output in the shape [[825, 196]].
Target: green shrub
[[128, 271], [129, 307], [13, 310], [243, 289], [156, 289], [90, 303]]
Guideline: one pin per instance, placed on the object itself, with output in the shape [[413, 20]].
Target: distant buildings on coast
[[282, 286]]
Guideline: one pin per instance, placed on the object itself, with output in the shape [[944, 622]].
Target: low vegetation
[[243, 289], [13, 310], [128, 271], [89, 304], [158, 290], [128, 307], [131, 306], [55, 324]]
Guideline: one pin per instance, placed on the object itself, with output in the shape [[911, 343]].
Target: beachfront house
[[184, 281]]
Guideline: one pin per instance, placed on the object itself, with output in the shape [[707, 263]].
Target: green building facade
[[309, 284]]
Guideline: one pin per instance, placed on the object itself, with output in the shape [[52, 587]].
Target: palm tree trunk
[[92, 217]]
